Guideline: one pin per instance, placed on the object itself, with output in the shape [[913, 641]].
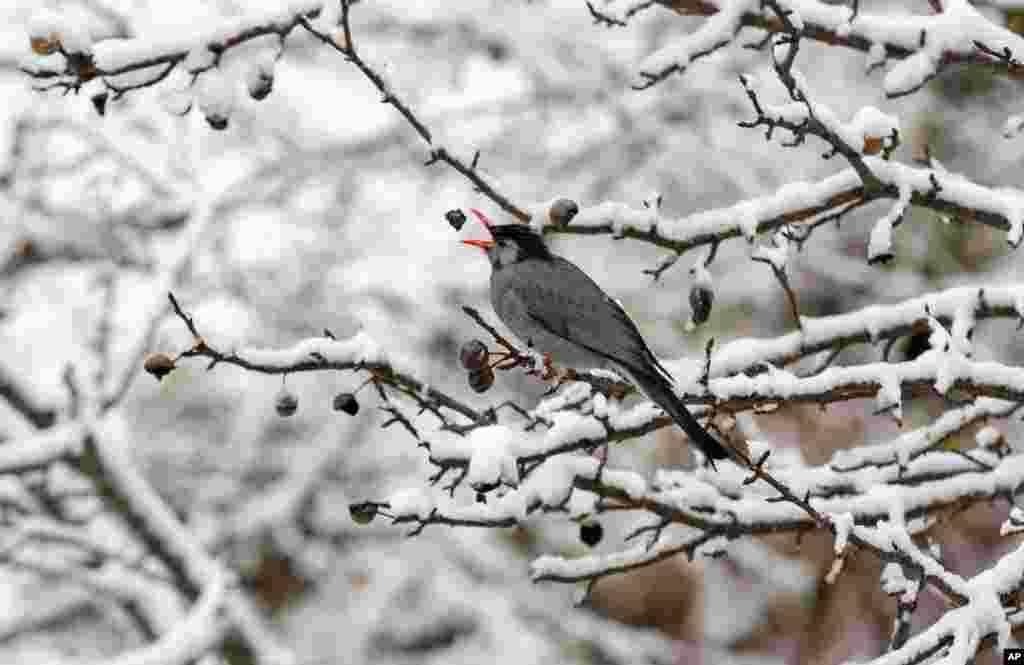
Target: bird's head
[[511, 243]]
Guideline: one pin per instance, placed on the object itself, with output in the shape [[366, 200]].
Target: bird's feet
[[540, 365]]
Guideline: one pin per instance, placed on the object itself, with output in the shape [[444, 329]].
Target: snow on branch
[[920, 46], [202, 629], [945, 372], [124, 65], [130, 496], [711, 512], [806, 204], [580, 417], [869, 132], [359, 353], [872, 324], [42, 450], [866, 142], [151, 58], [517, 472], [962, 631], [911, 445], [20, 399]]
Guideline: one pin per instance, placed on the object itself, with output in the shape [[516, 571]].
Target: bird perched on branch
[[554, 307]]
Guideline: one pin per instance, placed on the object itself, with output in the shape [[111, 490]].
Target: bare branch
[[346, 46]]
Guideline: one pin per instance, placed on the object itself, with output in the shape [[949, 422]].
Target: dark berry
[[99, 102], [159, 365], [562, 211], [701, 299], [473, 354], [346, 402], [591, 533], [362, 513], [286, 403], [456, 218], [260, 85], [481, 497], [218, 122], [481, 379]]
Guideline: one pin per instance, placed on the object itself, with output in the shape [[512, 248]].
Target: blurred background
[[327, 218]]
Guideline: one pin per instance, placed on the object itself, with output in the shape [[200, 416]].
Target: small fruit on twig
[[159, 365], [217, 121], [562, 211], [591, 533], [45, 45], [362, 513], [456, 218], [259, 80], [701, 299], [473, 354], [286, 403], [872, 145], [346, 402], [99, 103], [481, 380]]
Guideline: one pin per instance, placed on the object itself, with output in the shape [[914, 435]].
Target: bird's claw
[[546, 369]]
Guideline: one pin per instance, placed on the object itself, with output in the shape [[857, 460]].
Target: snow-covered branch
[[65, 59], [130, 496], [18, 398], [579, 417], [919, 46], [921, 489], [804, 204], [359, 354], [128, 64], [167, 551]]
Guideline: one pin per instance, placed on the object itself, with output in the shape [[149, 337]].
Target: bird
[[550, 304]]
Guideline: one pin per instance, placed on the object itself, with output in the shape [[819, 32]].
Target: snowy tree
[[213, 196]]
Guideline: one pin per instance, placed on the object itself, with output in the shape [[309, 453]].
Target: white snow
[[494, 455], [411, 502]]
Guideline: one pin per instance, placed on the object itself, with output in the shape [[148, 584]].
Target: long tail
[[659, 389]]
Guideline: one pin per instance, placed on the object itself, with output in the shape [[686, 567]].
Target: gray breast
[[513, 307]]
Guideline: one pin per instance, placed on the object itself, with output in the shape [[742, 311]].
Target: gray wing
[[564, 301]]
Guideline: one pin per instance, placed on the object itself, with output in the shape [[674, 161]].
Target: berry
[[99, 102], [562, 211], [45, 45], [591, 533], [473, 354], [481, 497], [218, 122], [286, 403], [456, 218], [362, 513], [701, 299], [259, 81], [481, 380], [872, 145], [159, 365], [346, 402]]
